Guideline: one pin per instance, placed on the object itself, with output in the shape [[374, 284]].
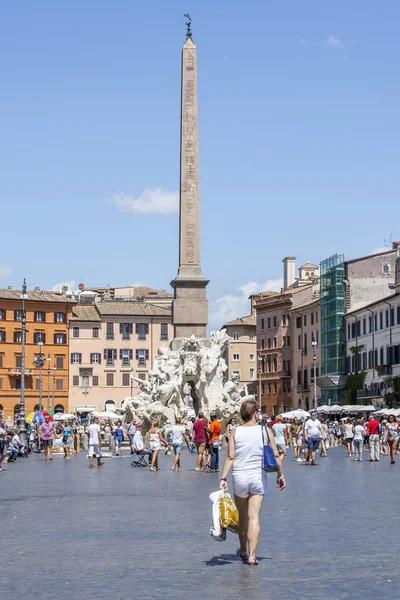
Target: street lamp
[[39, 362], [22, 431], [260, 361], [54, 384], [314, 345], [48, 380]]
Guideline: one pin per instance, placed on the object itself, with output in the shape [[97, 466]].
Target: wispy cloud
[[231, 306], [331, 42], [5, 271], [151, 201], [334, 42], [71, 285]]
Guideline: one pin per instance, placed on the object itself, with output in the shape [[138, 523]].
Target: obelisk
[[190, 306]]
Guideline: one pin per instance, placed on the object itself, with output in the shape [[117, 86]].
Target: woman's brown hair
[[247, 410]]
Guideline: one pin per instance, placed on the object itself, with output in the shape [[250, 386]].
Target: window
[[305, 379], [299, 342], [262, 342], [269, 322], [236, 336], [126, 380], [262, 323], [18, 361], [125, 330], [110, 355], [275, 388], [235, 357], [312, 318], [263, 388], [1, 362], [288, 340], [289, 368], [2, 314], [17, 337], [376, 358], [109, 379], [75, 332], [269, 388], [95, 358], [39, 316], [298, 322], [284, 387], [251, 357], [95, 332], [95, 380], [305, 320], [376, 322], [349, 331], [60, 317], [398, 315], [283, 320], [316, 317], [387, 318], [39, 337], [381, 360], [392, 316], [126, 356], [251, 337], [298, 377], [142, 329], [59, 362], [364, 361], [2, 335], [18, 384], [59, 385], [274, 321], [370, 359], [60, 338], [269, 342], [288, 320], [164, 331], [275, 365], [110, 331], [370, 323], [381, 320], [288, 387], [269, 365], [76, 358], [142, 376], [364, 322], [275, 342], [142, 356], [284, 340], [18, 315], [305, 344]]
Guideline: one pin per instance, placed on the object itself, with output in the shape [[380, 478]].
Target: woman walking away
[[154, 438], [359, 440], [118, 437], [349, 434], [280, 434], [245, 458], [67, 440], [178, 435], [392, 431]]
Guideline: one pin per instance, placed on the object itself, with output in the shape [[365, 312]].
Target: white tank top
[[349, 430], [249, 449]]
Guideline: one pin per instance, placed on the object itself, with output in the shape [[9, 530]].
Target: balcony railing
[[18, 371], [384, 369], [284, 373], [368, 394]]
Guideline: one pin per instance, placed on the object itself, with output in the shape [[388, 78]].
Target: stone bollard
[[85, 441], [111, 443]]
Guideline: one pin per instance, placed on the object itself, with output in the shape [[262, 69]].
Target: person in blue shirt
[[118, 437], [167, 435]]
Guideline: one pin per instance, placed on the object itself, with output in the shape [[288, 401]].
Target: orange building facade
[[47, 319]]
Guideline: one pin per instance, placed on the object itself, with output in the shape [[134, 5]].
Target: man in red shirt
[[374, 443], [214, 429], [200, 439]]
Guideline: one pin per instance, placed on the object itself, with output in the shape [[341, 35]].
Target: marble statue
[[197, 369]]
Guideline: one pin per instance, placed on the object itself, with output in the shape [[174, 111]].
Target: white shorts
[[252, 482], [94, 451]]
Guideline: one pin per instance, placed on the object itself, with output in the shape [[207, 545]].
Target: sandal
[[242, 555], [252, 561]]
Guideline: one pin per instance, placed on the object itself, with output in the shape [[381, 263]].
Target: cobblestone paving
[[68, 532]]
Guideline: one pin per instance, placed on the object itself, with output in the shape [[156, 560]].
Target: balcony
[[369, 393], [284, 373], [299, 388], [18, 371], [273, 375], [384, 370]]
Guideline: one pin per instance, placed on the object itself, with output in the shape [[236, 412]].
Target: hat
[[168, 422], [138, 424]]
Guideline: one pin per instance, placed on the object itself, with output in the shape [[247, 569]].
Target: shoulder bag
[[269, 460]]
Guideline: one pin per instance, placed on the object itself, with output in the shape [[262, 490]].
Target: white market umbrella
[[106, 414], [63, 417]]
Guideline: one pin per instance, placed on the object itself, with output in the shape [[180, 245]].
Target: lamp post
[[54, 384], [131, 380], [39, 362], [48, 381], [260, 361], [314, 345], [22, 428]]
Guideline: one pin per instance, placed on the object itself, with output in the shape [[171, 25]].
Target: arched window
[[307, 274], [110, 405], [59, 408], [312, 273], [236, 337]]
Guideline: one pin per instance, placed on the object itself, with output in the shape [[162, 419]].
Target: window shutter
[[147, 328], [99, 358], [137, 353], [120, 355], [55, 317], [130, 354], [91, 358], [75, 380], [95, 380], [137, 328], [55, 338], [147, 355], [64, 338], [80, 358], [115, 354], [43, 338], [105, 354], [121, 328], [130, 328]]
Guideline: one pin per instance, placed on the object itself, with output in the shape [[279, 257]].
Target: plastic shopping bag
[[217, 532], [228, 513]]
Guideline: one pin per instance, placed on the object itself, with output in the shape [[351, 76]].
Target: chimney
[[37, 289], [289, 270], [81, 287]]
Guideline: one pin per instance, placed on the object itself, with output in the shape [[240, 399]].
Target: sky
[[298, 139]]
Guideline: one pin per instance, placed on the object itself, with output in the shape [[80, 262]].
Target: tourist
[[231, 425], [245, 458], [94, 443], [118, 438], [300, 440], [47, 437], [383, 438], [325, 438], [11, 448], [131, 435], [214, 430], [154, 438], [200, 439], [22, 449], [348, 435], [178, 435], [313, 436], [166, 431], [272, 421], [293, 428], [280, 434], [358, 440], [392, 433], [3, 433], [67, 439], [374, 445]]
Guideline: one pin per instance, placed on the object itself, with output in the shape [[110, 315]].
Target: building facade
[[111, 341], [47, 318], [305, 319], [241, 356]]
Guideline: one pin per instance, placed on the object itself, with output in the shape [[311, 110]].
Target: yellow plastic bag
[[228, 513]]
